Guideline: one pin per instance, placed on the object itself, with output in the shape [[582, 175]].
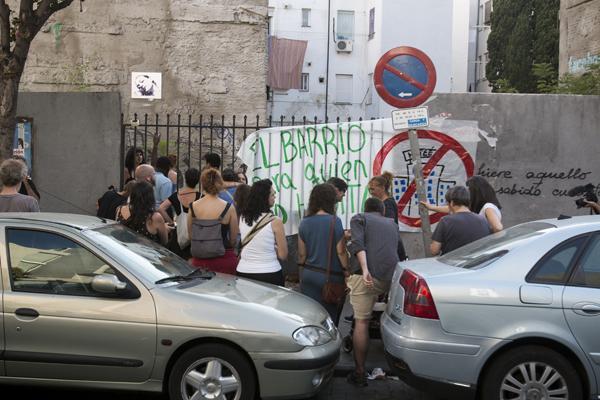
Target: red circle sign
[[408, 68], [448, 144]]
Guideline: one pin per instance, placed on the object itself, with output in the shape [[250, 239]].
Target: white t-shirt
[[259, 255], [493, 207]]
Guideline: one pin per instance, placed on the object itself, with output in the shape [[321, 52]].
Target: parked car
[[515, 315], [88, 303]]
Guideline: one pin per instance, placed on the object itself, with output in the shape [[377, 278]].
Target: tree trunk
[[9, 88]]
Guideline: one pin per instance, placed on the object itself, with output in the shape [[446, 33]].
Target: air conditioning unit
[[344, 46]]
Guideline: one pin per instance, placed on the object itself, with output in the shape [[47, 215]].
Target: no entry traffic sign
[[404, 77], [448, 144]]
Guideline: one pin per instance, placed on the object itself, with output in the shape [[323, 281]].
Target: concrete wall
[[212, 54], [579, 35], [546, 144], [76, 141]]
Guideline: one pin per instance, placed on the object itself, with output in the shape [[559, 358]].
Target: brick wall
[[579, 34]]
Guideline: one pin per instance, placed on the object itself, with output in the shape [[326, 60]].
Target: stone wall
[[212, 53], [579, 34]]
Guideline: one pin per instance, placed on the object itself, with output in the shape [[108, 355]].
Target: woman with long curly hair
[[263, 239], [141, 216], [133, 159], [321, 244], [379, 187]]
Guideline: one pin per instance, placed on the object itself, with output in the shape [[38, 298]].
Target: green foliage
[[546, 77], [586, 83], [523, 33]]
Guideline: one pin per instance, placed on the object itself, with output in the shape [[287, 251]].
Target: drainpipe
[[477, 66], [327, 69]]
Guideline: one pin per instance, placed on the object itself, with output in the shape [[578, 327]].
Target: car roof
[[77, 221]]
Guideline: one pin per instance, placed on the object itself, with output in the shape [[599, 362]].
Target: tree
[[523, 33], [16, 35]]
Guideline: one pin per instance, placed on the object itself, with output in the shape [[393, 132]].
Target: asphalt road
[[337, 389]]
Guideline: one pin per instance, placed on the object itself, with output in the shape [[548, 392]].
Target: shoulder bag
[[332, 292]]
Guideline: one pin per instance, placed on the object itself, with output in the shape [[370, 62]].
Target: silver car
[[88, 303], [515, 315]]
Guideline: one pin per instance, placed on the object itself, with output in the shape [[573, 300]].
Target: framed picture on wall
[[23, 139], [146, 85]]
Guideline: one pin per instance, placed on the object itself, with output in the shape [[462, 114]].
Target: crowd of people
[[228, 226]]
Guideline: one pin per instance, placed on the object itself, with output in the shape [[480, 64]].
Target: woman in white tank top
[[263, 241], [484, 201]]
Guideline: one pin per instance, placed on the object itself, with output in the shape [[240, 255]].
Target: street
[[337, 389]]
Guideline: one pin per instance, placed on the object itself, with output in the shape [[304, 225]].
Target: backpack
[[207, 241]]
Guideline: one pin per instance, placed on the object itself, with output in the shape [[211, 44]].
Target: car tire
[[510, 375], [212, 369]]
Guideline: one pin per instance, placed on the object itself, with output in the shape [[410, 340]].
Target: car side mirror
[[107, 283]]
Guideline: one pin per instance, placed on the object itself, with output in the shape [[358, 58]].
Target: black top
[[390, 209], [142, 228], [108, 204], [174, 199], [22, 190]]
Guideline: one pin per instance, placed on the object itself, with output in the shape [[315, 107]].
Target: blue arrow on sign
[[404, 77]]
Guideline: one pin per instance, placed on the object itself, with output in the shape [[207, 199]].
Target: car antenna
[[562, 216]]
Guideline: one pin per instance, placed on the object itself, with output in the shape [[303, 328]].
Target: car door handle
[[591, 308], [27, 312]]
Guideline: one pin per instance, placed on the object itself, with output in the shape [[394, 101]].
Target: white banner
[[296, 158]]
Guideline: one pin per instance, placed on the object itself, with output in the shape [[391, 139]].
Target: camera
[[588, 192]]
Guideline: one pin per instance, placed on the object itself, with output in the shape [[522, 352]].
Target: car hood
[[229, 302]]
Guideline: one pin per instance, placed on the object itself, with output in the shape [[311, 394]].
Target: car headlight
[[311, 336]]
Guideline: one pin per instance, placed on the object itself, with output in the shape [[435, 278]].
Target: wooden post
[[421, 194]]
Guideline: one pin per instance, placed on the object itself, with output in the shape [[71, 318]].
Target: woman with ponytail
[[210, 209], [379, 187]]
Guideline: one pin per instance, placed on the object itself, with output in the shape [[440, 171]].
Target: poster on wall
[[146, 85], [296, 158], [22, 140]]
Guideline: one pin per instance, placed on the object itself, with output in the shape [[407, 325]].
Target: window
[[304, 83], [345, 25], [588, 271], [369, 99], [487, 13], [44, 262], [306, 17], [343, 89], [554, 267], [371, 23]]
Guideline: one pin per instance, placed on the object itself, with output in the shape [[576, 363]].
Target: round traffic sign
[[404, 77], [448, 144]]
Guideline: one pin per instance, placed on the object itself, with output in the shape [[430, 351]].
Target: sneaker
[[356, 380]]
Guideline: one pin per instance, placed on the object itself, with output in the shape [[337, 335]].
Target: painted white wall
[[440, 28]]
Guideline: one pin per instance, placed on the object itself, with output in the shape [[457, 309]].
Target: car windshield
[[490, 248], [152, 260]]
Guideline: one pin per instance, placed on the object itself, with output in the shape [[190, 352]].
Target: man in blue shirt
[[163, 187]]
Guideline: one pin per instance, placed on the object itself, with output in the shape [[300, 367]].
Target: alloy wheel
[[534, 381], [211, 379]]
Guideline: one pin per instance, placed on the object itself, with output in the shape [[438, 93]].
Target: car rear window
[[485, 251]]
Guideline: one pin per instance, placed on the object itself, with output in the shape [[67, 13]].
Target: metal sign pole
[[418, 173]]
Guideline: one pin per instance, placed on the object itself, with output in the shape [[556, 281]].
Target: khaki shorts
[[363, 298]]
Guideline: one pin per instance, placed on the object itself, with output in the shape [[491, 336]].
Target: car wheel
[[212, 372], [531, 372]]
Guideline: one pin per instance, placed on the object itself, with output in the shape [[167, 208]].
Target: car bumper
[[436, 360], [296, 375]]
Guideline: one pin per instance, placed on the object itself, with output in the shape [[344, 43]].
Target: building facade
[[482, 20], [347, 38], [579, 35], [211, 55]]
